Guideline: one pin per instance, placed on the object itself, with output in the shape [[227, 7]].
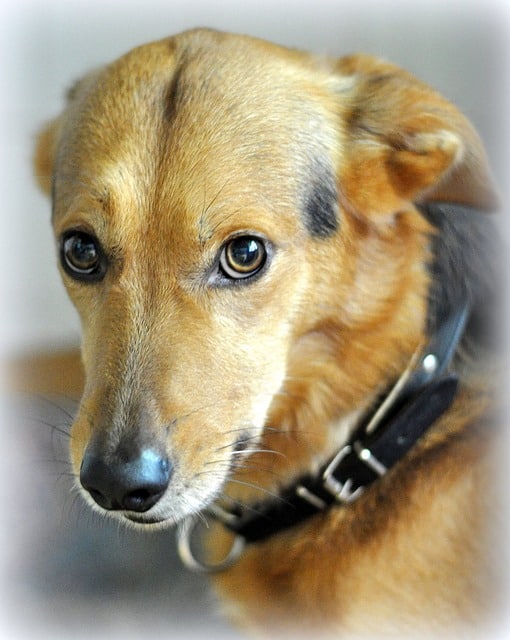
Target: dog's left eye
[[243, 257], [81, 256]]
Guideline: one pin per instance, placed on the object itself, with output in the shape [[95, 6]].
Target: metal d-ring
[[184, 534]]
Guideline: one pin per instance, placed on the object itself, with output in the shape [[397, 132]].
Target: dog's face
[[233, 218]]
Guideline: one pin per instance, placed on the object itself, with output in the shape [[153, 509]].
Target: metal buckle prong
[[310, 497]]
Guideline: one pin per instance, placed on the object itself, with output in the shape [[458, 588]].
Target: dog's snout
[[133, 485]]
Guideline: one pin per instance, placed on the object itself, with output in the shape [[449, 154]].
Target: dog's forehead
[[181, 122]]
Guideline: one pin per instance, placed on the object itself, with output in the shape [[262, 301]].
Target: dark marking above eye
[[320, 203], [179, 89], [174, 95]]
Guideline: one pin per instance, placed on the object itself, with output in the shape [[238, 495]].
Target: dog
[[281, 266]]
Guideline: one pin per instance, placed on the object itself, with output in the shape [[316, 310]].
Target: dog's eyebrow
[[320, 202]]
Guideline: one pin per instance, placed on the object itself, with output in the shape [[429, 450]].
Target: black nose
[[133, 485]]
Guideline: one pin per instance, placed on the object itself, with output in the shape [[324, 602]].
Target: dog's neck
[[419, 397], [423, 392]]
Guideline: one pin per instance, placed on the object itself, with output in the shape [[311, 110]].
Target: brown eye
[[81, 256], [243, 257]]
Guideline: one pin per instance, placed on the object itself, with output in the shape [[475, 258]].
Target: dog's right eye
[[243, 257], [82, 257]]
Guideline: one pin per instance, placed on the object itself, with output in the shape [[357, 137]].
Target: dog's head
[[237, 229]]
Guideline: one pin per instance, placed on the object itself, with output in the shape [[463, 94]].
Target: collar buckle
[[343, 491]]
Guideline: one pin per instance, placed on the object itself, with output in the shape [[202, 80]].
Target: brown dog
[[277, 261]]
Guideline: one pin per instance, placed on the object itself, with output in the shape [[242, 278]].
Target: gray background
[[68, 573]]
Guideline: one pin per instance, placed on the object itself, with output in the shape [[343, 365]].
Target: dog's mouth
[[167, 513], [147, 521], [161, 519]]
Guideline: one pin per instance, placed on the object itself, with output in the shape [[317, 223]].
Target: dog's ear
[[47, 139], [44, 154], [407, 143]]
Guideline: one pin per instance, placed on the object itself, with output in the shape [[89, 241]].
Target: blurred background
[[66, 571]]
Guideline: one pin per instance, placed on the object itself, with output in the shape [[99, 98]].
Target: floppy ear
[[48, 138], [407, 143], [44, 154]]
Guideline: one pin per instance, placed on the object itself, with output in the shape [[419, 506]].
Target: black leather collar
[[419, 398]]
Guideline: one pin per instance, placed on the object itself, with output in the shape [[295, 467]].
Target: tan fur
[[166, 153]]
